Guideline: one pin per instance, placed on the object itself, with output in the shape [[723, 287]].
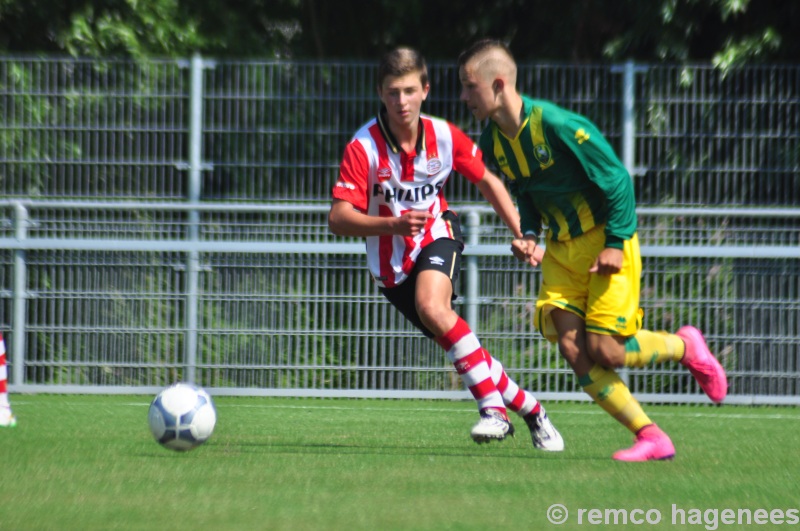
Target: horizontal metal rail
[[218, 247], [215, 246], [324, 207]]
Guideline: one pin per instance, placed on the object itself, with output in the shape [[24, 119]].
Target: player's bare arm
[[524, 249], [495, 192], [345, 220]]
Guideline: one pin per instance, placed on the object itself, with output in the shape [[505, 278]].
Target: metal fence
[[166, 221]]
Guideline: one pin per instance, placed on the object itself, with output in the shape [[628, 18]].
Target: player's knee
[[604, 358], [606, 352], [431, 312], [569, 350]]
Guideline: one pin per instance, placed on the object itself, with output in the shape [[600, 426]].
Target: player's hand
[[526, 250], [411, 223], [608, 262]]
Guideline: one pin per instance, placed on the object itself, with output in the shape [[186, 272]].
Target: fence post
[[629, 71], [20, 295], [193, 235], [628, 141], [628, 124], [628, 155], [473, 282]]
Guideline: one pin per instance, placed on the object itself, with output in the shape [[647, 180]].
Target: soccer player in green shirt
[[566, 178]]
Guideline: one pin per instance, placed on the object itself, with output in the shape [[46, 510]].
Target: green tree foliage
[[133, 28], [139, 28], [725, 32]]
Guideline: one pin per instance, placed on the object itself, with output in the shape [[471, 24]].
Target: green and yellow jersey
[[563, 173]]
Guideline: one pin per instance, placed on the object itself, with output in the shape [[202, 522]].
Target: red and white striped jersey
[[380, 179]]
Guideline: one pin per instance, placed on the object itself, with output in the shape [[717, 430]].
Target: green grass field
[[89, 462]]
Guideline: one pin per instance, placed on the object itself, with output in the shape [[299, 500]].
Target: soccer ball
[[182, 417]]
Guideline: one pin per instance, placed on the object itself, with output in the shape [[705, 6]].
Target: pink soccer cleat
[[702, 364], [651, 444]]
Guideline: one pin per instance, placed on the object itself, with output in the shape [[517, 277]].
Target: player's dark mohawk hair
[[481, 46]]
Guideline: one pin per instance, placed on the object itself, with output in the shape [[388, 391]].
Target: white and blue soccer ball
[[182, 417]]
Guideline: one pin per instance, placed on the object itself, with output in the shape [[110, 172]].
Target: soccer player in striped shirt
[[565, 175], [7, 419], [390, 192]]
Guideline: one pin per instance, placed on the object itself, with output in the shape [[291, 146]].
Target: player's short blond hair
[[400, 62], [491, 58]]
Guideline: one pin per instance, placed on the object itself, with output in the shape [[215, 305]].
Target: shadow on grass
[[357, 449]]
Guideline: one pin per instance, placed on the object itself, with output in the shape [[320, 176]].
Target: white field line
[[550, 409]]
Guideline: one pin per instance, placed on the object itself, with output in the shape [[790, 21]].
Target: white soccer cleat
[[7, 419], [493, 426], [544, 435]]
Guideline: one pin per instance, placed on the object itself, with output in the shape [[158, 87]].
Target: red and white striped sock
[[465, 352], [517, 399], [3, 374]]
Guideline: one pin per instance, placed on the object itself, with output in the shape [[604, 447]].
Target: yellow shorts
[[608, 304]]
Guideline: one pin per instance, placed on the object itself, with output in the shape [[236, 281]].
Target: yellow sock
[[611, 394], [648, 347]]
